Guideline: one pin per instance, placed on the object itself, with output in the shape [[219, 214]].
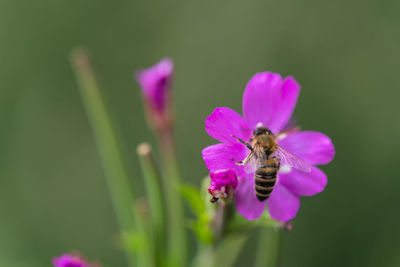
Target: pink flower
[[222, 182], [67, 260], [155, 82], [268, 100]]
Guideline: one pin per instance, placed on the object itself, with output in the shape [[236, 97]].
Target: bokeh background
[[345, 54]]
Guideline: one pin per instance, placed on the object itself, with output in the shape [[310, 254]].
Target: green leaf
[[192, 195], [201, 226], [202, 231]]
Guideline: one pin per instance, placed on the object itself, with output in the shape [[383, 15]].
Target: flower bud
[[156, 85], [223, 182]]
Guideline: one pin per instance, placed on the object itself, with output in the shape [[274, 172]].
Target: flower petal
[[261, 97], [313, 147], [304, 183], [245, 198], [224, 156], [284, 109], [223, 178], [282, 204], [225, 122]]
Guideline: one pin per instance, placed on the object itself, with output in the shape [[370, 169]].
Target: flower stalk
[[225, 254], [221, 219], [268, 249], [177, 249], [155, 200], [156, 86], [111, 155]]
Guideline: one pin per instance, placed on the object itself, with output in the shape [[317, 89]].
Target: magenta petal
[[224, 156], [283, 204], [225, 122], [304, 183], [245, 198], [261, 97], [314, 147], [284, 109], [223, 178]]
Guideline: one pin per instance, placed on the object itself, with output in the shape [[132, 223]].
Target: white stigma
[[285, 169], [259, 125]]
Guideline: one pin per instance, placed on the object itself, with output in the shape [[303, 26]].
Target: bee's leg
[[243, 142], [213, 199], [244, 162]]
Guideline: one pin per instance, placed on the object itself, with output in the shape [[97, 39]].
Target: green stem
[[110, 152], [229, 249], [155, 199], [177, 248], [226, 245], [221, 219], [204, 257], [224, 255], [268, 247]]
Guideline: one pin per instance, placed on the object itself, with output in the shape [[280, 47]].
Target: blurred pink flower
[[268, 100], [155, 83], [67, 260]]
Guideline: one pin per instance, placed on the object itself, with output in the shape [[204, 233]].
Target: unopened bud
[[223, 182]]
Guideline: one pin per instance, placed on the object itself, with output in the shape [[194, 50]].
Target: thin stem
[[177, 249], [218, 223], [155, 199], [225, 254], [221, 218], [268, 247], [110, 152], [229, 249], [204, 257], [226, 246]]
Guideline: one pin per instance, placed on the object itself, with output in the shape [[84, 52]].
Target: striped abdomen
[[265, 177]]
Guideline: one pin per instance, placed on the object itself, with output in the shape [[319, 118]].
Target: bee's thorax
[[266, 142]]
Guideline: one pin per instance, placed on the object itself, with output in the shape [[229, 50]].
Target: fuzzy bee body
[[264, 147], [265, 178]]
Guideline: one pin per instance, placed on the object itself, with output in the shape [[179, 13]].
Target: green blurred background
[[345, 54]]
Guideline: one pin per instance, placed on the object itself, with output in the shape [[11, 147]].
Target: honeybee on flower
[[268, 104]]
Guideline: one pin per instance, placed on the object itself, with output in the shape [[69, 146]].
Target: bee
[[265, 159]]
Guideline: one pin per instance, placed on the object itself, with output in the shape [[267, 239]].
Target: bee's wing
[[254, 160], [287, 158], [251, 165]]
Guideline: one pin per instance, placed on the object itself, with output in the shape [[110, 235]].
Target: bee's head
[[261, 130]]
